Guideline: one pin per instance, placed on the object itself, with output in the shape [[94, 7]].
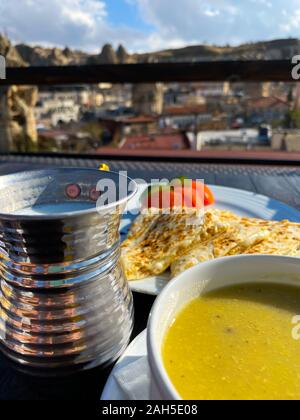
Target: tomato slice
[[189, 197], [198, 194], [183, 197], [191, 194], [209, 198], [160, 198], [204, 193]]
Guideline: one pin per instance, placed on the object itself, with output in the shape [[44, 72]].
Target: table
[[279, 182], [15, 385]]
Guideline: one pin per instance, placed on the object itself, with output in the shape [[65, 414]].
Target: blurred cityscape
[[178, 116]]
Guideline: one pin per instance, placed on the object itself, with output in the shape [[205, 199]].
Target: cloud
[[221, 21], [85, 24], [292, 23], [76, 23]]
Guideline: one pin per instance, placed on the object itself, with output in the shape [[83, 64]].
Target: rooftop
[[265, 103], [141, 119], [156, 142], [185, 110]]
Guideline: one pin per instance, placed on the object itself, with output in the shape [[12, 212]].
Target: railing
[[213, 71]]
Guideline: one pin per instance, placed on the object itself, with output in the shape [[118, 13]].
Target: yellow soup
[[237, 343]]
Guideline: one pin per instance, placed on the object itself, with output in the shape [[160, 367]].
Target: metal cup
[[64, 302]]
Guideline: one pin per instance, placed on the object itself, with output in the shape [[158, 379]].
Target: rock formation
[[17, 122], [7, 50], [39, 56], [122, 55], [147, 98], [6, 140], [22, 100], [107, 56]]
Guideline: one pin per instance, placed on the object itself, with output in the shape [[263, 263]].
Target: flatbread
[[245, 236], [234, 241], [157, 239], [186, 237], [284, 240]]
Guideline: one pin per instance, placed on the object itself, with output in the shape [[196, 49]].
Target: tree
[[292, 119], [290, 96]]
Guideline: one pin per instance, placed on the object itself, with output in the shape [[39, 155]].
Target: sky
[[147, 25]]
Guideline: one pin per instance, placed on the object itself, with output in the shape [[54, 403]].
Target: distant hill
[[24, 55], [269, 50]]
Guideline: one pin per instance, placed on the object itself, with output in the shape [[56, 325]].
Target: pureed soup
[[236, 343]]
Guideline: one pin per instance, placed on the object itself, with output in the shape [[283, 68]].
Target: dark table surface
[[279, 182]]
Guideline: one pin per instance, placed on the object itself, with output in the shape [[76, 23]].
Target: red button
[[94, 194], [73, 191]]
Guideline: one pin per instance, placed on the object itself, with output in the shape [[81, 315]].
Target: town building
[[184, 117], [116, 128], [266, 110]]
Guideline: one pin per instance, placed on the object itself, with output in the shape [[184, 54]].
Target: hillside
[[271, 50], [24, 55]]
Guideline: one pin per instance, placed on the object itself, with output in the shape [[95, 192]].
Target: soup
[[236, 344]]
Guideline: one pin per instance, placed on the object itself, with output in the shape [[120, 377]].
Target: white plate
[[137, 349], [242, 203]]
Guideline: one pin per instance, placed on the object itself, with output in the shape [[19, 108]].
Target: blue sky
[[126, 13], [147, 25]]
